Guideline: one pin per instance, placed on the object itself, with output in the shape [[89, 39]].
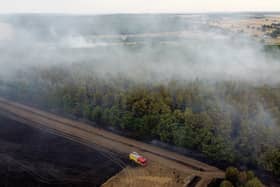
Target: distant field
[[252, 26]]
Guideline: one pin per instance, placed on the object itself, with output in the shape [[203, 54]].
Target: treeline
[[227, 121], [236, 178]]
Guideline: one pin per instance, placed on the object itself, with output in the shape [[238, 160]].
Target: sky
[[135, 6]]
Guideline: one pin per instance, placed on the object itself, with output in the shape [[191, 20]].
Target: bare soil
[[31, 157], [154, 174], [251, 26]]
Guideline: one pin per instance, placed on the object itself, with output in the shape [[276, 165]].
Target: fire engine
[[135, 157]]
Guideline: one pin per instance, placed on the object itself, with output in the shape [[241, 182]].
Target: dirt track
[[92, 137]]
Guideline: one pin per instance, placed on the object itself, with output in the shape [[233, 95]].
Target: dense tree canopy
[[236, 178], [227, 121]]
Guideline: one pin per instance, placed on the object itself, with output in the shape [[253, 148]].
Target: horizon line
[[137, 13]]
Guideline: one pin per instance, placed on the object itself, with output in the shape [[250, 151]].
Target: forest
[[170, 78], [229, 121]]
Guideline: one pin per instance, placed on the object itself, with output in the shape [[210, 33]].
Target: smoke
[[200, 53], [6, 32], [145, 49]]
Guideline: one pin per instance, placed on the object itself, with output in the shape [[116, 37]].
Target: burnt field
[[31, 157]]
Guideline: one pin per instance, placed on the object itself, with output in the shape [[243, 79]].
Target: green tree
[[183, 136], [242, 178], [232, 174], [165, 127], [218, 148], [271, 161], [226, 183], [254, 183], [250, 175], [96, 114]]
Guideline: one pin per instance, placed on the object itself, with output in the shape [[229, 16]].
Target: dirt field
[[155, 174], [251, 26], [32, 158]]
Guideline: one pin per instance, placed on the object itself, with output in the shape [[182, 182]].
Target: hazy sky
[[136, 6]]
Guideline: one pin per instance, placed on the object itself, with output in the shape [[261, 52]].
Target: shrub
[[232, 174], [250, 175], [226, 183], [254, 183], [242, 177]]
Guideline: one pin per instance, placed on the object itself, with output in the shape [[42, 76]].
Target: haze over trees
[[213, 93], [227, 121]]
